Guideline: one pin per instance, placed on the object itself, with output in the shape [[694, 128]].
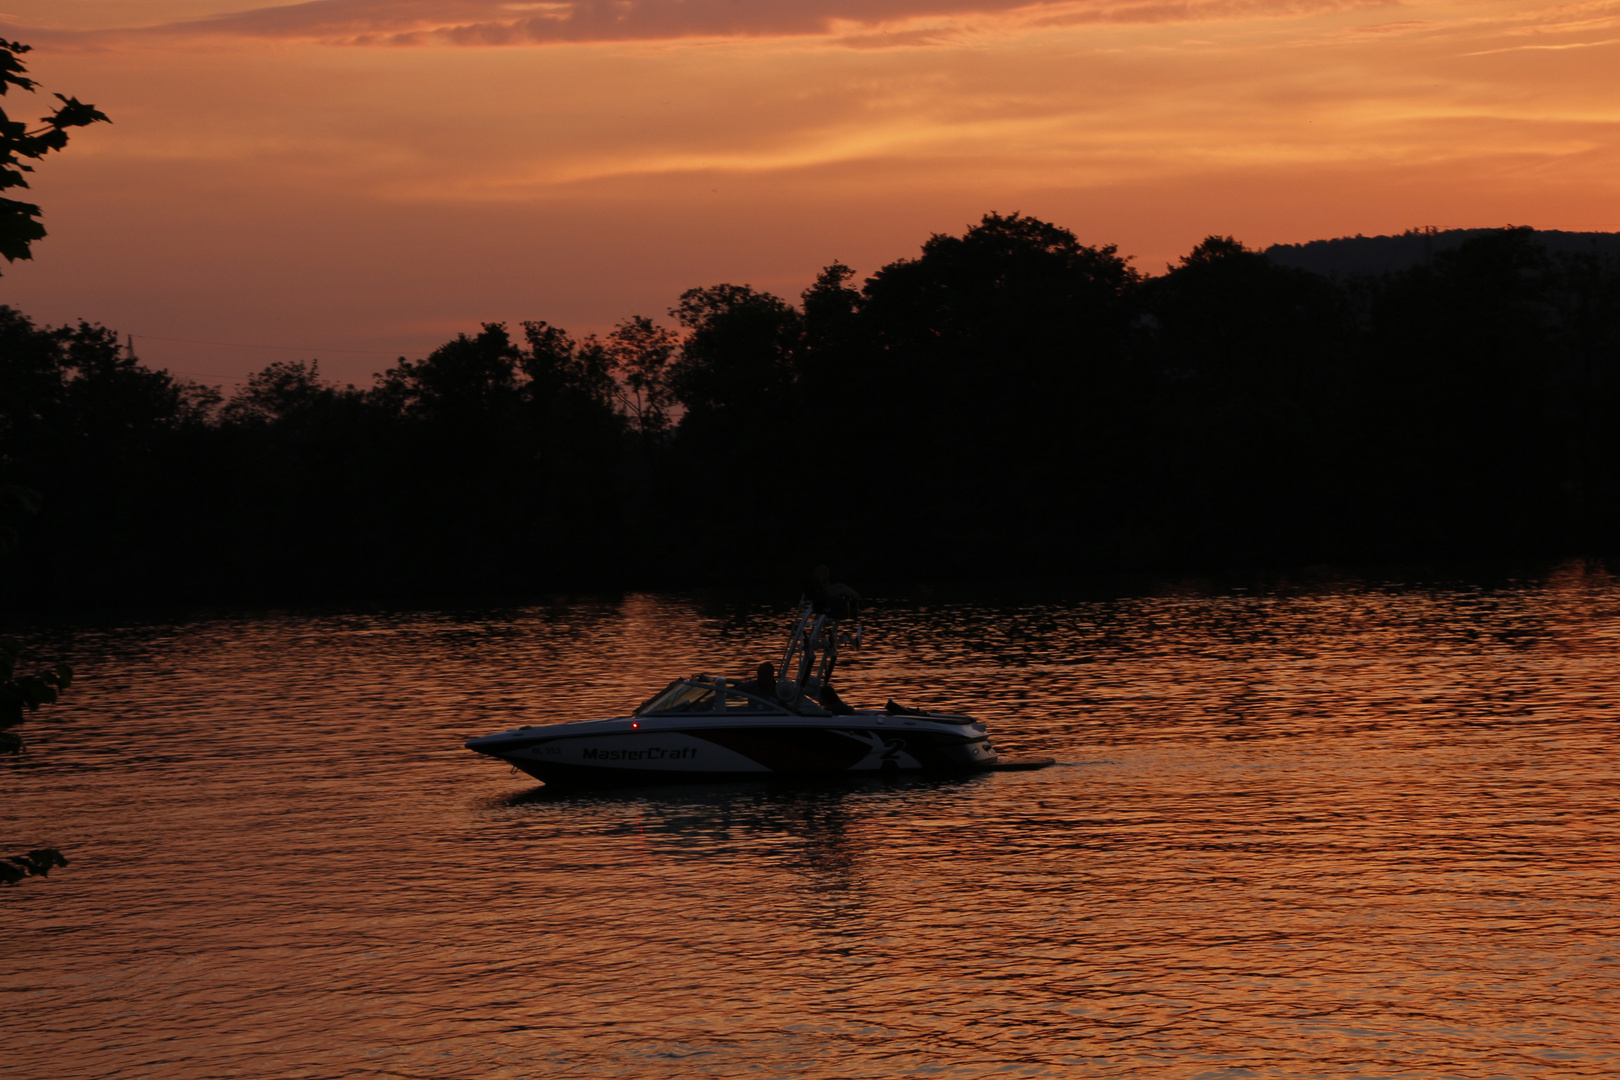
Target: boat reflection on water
[[822, 816], [822, 833], [805, 790]]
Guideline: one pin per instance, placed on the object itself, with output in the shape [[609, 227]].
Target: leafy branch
[[36, 863], [19, 224], [19, 693], [23, 694]]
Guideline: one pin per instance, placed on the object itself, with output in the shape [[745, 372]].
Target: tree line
[[1007, 403]]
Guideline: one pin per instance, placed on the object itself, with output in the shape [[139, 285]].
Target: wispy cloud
[[856, 23], [1546, 48]]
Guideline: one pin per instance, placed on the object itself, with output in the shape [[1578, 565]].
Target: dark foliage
[[20, 144], [1361, 256], [22, 693], [36, 863], [1010, 402]]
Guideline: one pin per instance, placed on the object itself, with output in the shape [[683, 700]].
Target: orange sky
[[356, 179]]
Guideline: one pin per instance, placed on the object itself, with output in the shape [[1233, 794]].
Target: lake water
[[1355, 830]]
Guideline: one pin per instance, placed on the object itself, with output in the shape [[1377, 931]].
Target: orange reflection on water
[[1347, 828]]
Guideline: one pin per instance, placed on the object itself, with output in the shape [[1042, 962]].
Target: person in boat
[[829, 699], [839, 601], [763, 684]]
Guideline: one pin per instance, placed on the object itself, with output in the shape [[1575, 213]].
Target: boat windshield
[[680, 697]]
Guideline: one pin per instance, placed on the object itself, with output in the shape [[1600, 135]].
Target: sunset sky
[[360, 179]]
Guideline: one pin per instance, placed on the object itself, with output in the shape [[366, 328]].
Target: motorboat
[[713, 727]]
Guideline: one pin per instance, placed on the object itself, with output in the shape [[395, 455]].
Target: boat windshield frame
[[677, 698]]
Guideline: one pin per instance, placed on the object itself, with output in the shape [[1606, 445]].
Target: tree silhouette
[[1008, 400], [281, 392], [461, 385], [983, 371], [559, 371], [738, 357], [1244, 425], [638, 354]]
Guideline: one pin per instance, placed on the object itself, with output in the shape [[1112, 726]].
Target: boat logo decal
[[651, 753]]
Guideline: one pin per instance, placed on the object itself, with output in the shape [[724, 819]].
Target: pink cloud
[[859, 23], [1172, 11], [493, 22]]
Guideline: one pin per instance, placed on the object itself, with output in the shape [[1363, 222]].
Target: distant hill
[[1353, 256]]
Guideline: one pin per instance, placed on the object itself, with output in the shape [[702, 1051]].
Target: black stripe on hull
[[557, 774]]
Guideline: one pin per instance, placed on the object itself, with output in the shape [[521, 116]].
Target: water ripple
[[1363, 830]]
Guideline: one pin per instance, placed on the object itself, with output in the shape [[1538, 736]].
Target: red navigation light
[[634, 724]]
